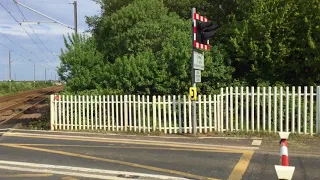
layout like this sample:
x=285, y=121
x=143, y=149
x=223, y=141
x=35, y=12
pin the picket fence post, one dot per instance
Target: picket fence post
x=318, y=112
x=52, y=112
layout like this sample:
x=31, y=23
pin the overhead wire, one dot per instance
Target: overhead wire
x=34, y=31
x=24, y=31
x=21, y=56
x=16, y=53
x=31, y=61
x=22, y=28
x=15, y=43
x=46, y=1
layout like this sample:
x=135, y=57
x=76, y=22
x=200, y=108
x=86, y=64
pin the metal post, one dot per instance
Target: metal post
x=10, y=65
x=34, y=75
x=45, y=75
x=75, y=22
x=193, y=104
x=75, y=16
x=10, y=86
x=318, y=111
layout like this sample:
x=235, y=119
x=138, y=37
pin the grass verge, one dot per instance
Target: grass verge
x=43, y=123
x=7, y=88
x=264, y=135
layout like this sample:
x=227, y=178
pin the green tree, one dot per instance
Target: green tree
x=140, y=48
x=81, y=64
x=148, y=50
x=272, y=41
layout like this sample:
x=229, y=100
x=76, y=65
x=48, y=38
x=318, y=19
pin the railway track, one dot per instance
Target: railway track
x=12, y=107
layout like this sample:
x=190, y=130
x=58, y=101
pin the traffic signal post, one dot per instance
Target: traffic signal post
x=202, y=31
x=194, y=85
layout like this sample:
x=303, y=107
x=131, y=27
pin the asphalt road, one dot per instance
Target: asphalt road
x=72, y=156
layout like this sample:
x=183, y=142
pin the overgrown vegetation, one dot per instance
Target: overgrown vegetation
x=144, y=46
x=42, y=123
x=14, y=87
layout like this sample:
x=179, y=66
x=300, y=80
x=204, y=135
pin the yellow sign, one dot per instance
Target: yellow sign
x=193, y=93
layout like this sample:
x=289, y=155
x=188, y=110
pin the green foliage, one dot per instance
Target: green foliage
x=274, y=42
x=81, y=64
x=183, y=7
x=146, y=50
x=41, y=123
x=144, y=46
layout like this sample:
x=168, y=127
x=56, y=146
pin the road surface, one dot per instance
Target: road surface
x=73, y=156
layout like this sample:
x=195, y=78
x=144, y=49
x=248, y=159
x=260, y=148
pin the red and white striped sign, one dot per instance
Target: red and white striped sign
x=195, y=43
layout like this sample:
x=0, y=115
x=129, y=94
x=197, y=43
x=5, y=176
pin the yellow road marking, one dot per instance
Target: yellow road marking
x=25, y=175
x=241, y=167
x=238, y=170
x=153, y=143
x=122, y=147
x=112, y=161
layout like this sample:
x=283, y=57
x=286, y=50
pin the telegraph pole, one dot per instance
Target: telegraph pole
x=75, y=16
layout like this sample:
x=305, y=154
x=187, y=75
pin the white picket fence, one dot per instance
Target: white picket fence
x=268, y=109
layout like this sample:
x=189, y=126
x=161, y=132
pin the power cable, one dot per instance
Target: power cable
x=15, y=43
x=47, y=1
x=23, y=56
x=23, y=29
x=17, y=53
x=34, y=31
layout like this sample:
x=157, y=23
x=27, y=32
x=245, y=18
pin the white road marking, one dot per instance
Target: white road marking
x=256, y=142
x=130, y=140
x=256, y=138
x=79, y=171
x=5, y=129
x=61, y=173
x=222, y=138
x=128, y=135
x=3, y=133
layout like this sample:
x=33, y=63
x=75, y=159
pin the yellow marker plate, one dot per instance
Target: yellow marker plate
x=193, y=93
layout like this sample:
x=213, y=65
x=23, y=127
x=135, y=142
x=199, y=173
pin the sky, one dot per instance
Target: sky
x=42, y=52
